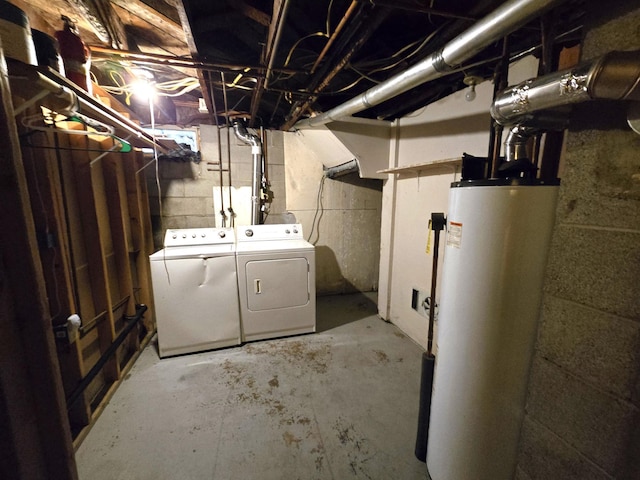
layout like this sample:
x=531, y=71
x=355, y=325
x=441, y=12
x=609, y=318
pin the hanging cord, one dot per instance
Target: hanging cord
x=223, y=215
x=232, y=214
x=319, y=209
x=157, y=173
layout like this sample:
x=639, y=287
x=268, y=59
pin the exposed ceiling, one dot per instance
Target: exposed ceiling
x=277, y=61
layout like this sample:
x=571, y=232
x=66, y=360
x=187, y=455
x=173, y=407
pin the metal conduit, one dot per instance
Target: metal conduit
x=505, y=19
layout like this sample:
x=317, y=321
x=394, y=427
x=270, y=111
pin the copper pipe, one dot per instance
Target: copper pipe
x=335, y=34
x=276, y=43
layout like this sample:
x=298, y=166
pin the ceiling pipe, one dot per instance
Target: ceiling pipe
x=510, y=16
x=276, y=41
x=365, y=24
x=533, y=105
x=256, y=152
x=343, y=22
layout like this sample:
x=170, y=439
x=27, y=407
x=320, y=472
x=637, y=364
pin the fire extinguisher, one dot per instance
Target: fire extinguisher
x=75, y=54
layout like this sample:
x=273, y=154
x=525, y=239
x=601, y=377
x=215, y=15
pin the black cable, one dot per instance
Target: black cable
x=319, y=207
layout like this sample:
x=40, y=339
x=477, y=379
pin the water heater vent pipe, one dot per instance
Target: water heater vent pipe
x=533, y=105
x=256, y=152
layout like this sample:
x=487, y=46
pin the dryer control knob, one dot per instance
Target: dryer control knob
x=193, y=235
x=174, y=236
x=295, y=230
x=287, y=231
x=184, y=235
x=221, y=234
x=248, y=233
x=203, y=235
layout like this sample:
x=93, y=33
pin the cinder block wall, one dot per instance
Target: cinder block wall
x=583, y=417
x=187, y=187
x=340, y=217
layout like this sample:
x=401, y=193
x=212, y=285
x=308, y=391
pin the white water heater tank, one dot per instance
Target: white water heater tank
x=498, y=235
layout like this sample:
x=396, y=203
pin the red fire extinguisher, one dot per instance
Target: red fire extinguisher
x=75, y=54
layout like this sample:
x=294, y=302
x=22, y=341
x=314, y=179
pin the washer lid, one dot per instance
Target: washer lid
x=193, y=251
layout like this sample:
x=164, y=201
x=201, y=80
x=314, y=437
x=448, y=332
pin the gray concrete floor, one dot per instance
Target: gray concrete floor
x=338, y=404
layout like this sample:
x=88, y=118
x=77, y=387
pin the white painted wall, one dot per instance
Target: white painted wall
x=443, y=130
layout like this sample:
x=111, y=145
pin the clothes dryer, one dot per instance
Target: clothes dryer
x=195, y=291
x=276, y=281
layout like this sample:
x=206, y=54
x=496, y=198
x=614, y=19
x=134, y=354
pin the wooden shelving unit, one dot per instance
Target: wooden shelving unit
x=453, y=164
x=90, y=212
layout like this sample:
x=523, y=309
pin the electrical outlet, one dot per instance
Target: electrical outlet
x=420, y=302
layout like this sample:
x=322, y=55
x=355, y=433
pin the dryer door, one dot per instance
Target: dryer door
x=277, y=283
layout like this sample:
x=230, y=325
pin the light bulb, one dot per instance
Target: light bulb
x=470, y=96
x=143, y=89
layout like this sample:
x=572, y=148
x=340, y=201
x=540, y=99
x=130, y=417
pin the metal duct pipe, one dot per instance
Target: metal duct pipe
x=505, y=19
x=343, y=169
x=528, y=105
x=515, y=144
x=614, y=76
x=256, y=152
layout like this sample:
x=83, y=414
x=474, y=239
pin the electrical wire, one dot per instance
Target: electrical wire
x=319, y=208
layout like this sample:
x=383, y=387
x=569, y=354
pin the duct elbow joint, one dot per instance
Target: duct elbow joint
x=244, y=136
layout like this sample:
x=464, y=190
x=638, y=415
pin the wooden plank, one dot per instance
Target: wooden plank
x=50, y=221
x=116, y=196
x=151, y=17
x=141, y=231
x=77, y=250
x=35, y=439
x=90, y=191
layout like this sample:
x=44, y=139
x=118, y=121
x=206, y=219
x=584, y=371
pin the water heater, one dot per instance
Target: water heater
x=498, y=235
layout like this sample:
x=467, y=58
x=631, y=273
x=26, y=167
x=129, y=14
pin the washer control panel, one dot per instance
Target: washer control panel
x=198, y=236
x=260, y=233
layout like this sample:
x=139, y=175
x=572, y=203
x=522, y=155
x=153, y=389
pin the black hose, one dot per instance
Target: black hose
x=84, y=383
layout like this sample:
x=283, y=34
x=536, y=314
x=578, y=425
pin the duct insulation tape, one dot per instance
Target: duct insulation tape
x=15, y=34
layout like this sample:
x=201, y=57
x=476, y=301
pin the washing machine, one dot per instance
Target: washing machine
x=276, y=281
x=196, y=291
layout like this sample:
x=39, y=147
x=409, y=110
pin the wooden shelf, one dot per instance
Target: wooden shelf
x=426, y=166
x=31, y=83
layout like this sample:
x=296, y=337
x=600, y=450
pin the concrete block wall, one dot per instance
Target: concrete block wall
x=187, y=188
x=344, y=226
x=583, y=407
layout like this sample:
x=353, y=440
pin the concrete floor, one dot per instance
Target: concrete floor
x=341, y=403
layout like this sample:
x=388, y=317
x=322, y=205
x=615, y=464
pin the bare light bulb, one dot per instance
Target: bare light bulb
x=470, y=96
x=143, y=89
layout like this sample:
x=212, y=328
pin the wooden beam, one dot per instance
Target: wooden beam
x=103, y=19
x=193, y=49
x=253, y=13
x=152, y=17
